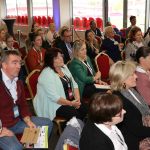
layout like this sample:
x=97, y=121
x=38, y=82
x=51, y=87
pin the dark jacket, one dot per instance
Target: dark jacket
x=61, y=44
x=111, y=49
x=92, y=138
x=132, y=127
x=80, y=73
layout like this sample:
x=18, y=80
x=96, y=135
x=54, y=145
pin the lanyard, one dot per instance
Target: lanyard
x=8, y=92
x=40, y=58
x=69, y=90
x=88, y=66
x=66, y=79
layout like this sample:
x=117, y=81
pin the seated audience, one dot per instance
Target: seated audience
x=92, y=46
x=100, y=132
x=34, y=27
x=110, y=45
x=133, y=24
x=14, y=111
x=35, y=56
x=123, y=83
x=45, y=43
x=10, y=46
x=51, y=34
x=147, y=37
x=65, y=43
x=57, y=92
x=94, y=28
x=143, y=72
x=2, y=38
x=135, y=40
x=108, y=23
x=9, y=42
x=83, y=71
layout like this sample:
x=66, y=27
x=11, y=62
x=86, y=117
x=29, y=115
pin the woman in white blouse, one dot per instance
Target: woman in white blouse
x=100, y=131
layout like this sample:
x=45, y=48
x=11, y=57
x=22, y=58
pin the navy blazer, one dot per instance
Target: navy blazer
x=61, y=44
x=92, y=138
x=111, y=49
x=132, y=127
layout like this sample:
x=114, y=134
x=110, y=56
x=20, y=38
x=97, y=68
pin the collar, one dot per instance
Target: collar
x=140, y=69
x=106, y=130
x=5, y=78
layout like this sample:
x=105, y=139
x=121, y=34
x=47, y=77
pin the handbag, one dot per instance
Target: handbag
x=145, y=143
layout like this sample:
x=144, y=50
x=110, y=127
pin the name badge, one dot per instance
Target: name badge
x=16, y=111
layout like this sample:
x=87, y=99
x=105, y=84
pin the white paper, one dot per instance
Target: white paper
x=99, y=86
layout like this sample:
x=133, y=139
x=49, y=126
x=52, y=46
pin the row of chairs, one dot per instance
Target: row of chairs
x=84, y=23
x=42, y=20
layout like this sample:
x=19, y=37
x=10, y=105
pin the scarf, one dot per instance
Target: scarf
x=142, y=106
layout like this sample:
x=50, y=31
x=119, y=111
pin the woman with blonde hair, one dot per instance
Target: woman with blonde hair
x=83, y=71
x=123, y=82
x=110, y=45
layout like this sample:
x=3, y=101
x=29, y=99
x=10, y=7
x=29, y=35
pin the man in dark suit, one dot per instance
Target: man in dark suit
x=65, y=43
x=95, y=29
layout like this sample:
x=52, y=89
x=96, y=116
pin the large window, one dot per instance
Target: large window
x=86, y=10
x=42, y=8
x=115, y=13
x=22, y=7
x=11, y=8
x=137, y=8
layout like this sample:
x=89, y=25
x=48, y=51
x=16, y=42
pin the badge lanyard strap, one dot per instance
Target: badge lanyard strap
x=39, y=60
x=66, y=80
x=89, y=67
x=8, y=92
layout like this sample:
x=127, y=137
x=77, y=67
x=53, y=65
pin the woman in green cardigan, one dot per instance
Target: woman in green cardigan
x=83, y=71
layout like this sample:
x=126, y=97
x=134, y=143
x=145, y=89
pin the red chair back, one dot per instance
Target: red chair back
x=103, y=65
x=77, y=23
x=69, y=147
x=99, y=23
x=32, y=80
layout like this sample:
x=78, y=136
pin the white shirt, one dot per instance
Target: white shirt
x=11, y=85
x=115, y=136
x=68, y=45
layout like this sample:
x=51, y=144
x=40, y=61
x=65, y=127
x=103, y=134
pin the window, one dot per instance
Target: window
x=11, y=8
x=22, y=7
x=115, y=13
x=137, y=8
x=86, y=10
x=39, y=8
x=50, y=8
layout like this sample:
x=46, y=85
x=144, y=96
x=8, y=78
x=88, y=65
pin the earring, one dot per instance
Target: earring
x=124, y=85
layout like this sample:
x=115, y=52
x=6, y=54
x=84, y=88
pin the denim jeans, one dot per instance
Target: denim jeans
x=12, y=143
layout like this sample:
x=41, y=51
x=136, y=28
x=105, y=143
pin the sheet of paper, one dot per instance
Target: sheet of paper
x=98, y=86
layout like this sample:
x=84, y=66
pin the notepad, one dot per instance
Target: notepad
x=99, y=86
